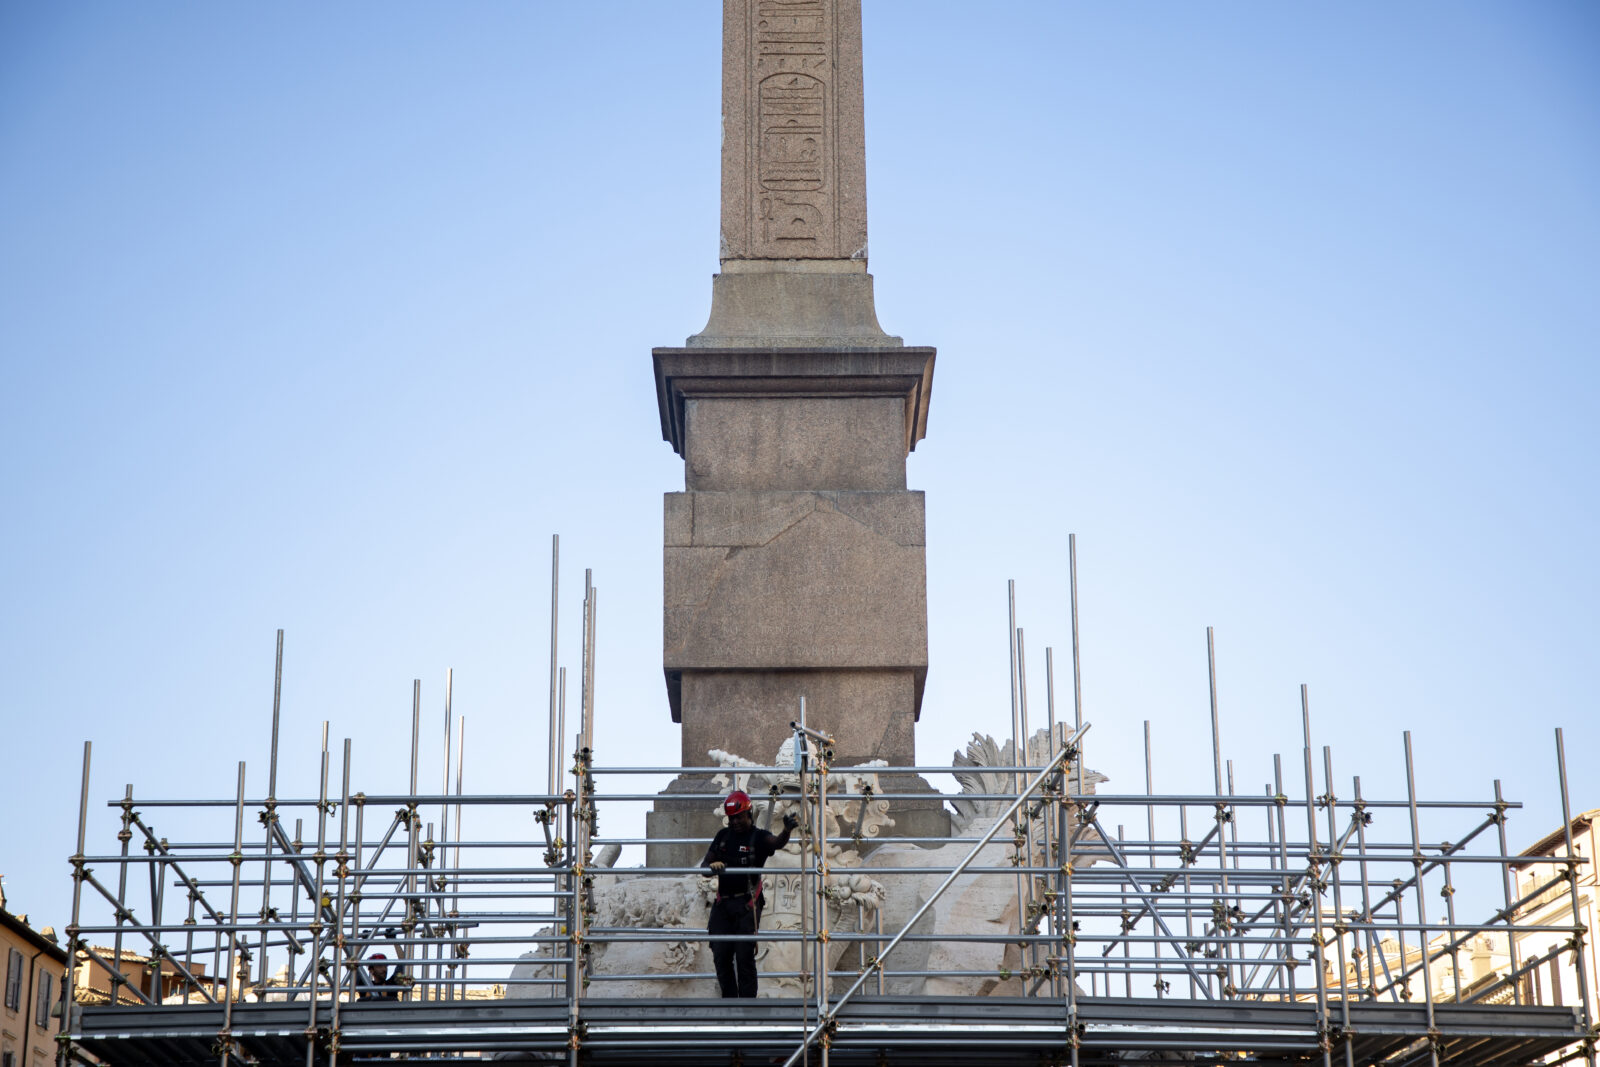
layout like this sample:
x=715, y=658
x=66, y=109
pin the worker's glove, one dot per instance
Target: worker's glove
x=790, y=821
x=716, y=866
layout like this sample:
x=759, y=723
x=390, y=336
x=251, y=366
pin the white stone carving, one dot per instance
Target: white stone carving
x=859, y=889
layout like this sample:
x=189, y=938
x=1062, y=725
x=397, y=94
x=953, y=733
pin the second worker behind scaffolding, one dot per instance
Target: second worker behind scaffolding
x=736, y=912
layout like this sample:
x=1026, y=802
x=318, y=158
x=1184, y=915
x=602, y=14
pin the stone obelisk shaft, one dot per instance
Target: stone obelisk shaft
x=793, y=154
x=794, y=188
x=795, y=558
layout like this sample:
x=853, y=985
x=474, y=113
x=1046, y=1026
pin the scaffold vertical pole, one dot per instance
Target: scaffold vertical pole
x=1027, y=950
x=269, y=813
x=571, y=900
x=64, y=1035
x=1222, y=813
x=1422, y=904
x=1334, y=858
x=318, y=912
x=341, y=872
x=1361, y=816
x=823, y=760
x=458, y=943
x=1505, y=885
x=1052, y=844
x=1280, y=802
x=1017, y=743
x=1068, y=932
x=1077, y=674
x=1578, y=956
x=809, y=828
x=561, y=734
x=124, y=836
x=413, y=846
x=444, y=990
x=236, y=859
x=1315, y=885
x=554, y=778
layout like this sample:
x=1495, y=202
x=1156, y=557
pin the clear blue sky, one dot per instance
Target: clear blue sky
x=327, y=316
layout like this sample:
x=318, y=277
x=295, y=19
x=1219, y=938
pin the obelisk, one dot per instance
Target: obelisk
x=795, y=556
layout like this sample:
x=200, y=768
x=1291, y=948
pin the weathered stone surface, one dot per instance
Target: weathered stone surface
x=794, y=176
x=776, y=581
x=869, y=714
x=801, y=443
x=770, y=373
x=792, y=308
x=755, y=518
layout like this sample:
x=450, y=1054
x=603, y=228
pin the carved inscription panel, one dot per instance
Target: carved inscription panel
x=791, y=65
x=798, y=107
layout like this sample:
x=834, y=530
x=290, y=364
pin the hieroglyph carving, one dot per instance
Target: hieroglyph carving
x=793, y=120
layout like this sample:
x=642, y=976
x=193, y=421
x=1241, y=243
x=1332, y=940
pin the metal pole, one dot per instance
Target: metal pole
x=1077, y=676
x=1361, y=816
x=573, y=876
x=1017, y=743
x=594, y=629
x=807, y=965
x=555, y=617
x=459, y=946
x=1068, y=930
x=124, y=835
x=64, y=1035
x=1150, y=830
x=1216, y=729
x=583, y=680
x=1572, y=884
x=443, y=852
x=341, y=872
x=821, y=843
x=1282, y=800
x=355, y=898
x=1422, y=906
x=413, y=825
x=1223, y=815
x=317, y=910
x=270, y=812
x=1505, y=884
x=1025, y=914
x=1334, y=856
x=444, y=792
x=561, y=733
x=1313, y=853
x=225, y=1041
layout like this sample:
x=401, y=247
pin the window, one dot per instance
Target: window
x=14, y=981
x=8, y=1059
x=41, y=1008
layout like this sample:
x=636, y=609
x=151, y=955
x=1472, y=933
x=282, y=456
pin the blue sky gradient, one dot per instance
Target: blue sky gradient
x=325, y=318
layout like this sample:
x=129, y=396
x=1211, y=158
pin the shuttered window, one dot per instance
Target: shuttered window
x=41, y=1008
x=14, y=981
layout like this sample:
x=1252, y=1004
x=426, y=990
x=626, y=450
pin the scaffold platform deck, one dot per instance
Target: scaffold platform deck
x=871, y=1030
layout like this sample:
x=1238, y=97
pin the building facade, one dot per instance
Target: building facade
x=35, y=973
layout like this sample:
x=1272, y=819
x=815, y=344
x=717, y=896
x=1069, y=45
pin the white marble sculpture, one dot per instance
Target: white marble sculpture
x=866, y=882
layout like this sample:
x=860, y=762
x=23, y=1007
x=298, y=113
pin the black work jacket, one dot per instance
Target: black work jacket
x=741, y=850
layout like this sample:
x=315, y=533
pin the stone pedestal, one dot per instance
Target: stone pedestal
x=795, y=560
x=794, y=557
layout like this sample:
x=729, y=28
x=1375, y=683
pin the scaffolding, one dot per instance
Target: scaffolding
x=1296, y=924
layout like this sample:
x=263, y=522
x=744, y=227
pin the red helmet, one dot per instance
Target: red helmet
x=378, y=956
x=738, y=801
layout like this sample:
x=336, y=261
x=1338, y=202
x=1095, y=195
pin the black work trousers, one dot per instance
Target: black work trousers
x=735, y=960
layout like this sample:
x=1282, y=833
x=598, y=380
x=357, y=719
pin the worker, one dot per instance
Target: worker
x=737, y=909
x=382, y=985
